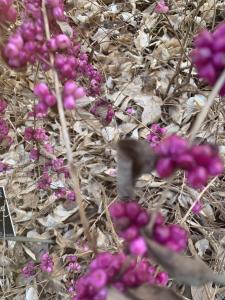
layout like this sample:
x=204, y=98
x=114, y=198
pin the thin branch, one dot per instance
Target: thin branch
x=202, y=115
x=73, y=171
x=198, y=198
x=25, y=239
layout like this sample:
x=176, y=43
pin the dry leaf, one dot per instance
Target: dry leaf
x=134, y=159
x=152, y=110
x=200, y=293
x=31, y=294
x=65, y=27
x=186, y=270
x=142, y=40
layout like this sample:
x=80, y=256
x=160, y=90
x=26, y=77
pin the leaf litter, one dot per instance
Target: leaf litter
x=139, y=53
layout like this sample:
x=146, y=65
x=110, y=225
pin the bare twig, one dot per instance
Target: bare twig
x=26, y=239
x=198, y=198
x=73, y=171
x=201, y=117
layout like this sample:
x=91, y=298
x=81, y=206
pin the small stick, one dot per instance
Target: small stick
x=73, y=171
x=198, y=198
x=26, y=239
x=202, y=115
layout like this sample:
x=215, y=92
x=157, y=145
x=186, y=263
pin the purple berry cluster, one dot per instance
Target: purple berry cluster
x=66, y=194
x=209, y=55
x=47, y=263
x=29, y=45
x=156, y=134
x=3, y=167
x=103, y=111
x=199, y=161
x=46, y=99
x=171, y=236
x=71, y=93
x=130, y=218
x=5, y=139
x=118, y=270
x=51, y=167
x=7, y=11
x=38, y=134
x=55, y=166
x=72, y=264
x=161, y=7
x=28, y=270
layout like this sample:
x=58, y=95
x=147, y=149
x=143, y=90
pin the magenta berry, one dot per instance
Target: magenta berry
x=165, y=167
x=208, y=55
x=79, y=93
x=162, y=278
x=69, y=102
x=46, y=263
x=132, y=210
x=142, y=218
x=117, y=209
x=50, y=100
x=69, y=88
x=29, y=270
x=162, y=233
x=62, y=41
x=11, y=50
x=130, y=233
x=138, y=246
x=41, y=90
x=161, y=7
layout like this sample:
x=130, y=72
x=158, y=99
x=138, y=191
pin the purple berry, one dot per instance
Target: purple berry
x=138, y=247
x=69, y=102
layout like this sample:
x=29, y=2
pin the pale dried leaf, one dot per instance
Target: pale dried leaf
x=66, y=28
x=142, y=40
x=31, y=294
x=201, y=292
x=202, y=246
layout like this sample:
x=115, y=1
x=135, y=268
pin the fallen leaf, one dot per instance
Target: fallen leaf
x=200, y=293
x=65, y=27
x=202, y=245
x=31, y=294
x=142, y=40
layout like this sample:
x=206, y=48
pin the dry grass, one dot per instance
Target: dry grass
x=145, y=60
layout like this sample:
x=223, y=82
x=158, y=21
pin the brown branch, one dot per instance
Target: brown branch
x=72, y=169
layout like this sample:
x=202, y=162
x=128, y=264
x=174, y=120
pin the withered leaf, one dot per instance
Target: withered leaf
x=134, y=159
x=145, y=292
x=186, y=270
